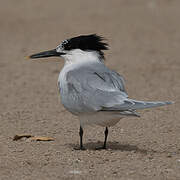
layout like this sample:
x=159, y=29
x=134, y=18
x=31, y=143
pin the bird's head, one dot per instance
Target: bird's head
x=76, y=47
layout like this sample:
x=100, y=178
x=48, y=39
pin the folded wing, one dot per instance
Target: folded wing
x=100, y=89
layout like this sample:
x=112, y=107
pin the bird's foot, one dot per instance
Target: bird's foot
x=101, y=148
x=80, y=148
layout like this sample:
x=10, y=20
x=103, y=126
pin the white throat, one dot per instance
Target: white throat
x=78, y=56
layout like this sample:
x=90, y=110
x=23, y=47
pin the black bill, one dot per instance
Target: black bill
x=44, y=54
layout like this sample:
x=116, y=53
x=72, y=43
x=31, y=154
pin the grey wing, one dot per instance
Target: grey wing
x=91, y=90
x=95, y=89
x=116, y=79
x=110, y=77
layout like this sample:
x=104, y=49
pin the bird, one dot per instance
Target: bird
x=89, y=89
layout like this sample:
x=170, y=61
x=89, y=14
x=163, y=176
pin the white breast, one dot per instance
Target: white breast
x=62, y=83
x=62, y=79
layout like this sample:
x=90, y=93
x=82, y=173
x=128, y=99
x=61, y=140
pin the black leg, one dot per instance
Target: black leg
x=81, y=138
x=105, y=140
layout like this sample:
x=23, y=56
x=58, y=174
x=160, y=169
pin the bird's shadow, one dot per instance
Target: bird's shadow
x=110, y=146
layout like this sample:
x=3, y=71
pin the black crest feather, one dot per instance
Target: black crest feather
x=86, y=42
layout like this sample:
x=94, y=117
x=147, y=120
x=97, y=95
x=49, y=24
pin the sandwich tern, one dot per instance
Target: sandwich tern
x=88, y=88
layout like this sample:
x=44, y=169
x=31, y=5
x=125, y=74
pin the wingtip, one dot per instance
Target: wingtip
x=136, y=114
x=169, y=102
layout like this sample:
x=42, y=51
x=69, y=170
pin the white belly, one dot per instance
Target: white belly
x=101, y=118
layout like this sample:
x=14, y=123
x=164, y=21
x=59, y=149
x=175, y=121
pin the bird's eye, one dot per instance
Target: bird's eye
x=67, y=46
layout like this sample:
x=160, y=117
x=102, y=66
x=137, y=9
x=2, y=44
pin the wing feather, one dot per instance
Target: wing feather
x=100, y=89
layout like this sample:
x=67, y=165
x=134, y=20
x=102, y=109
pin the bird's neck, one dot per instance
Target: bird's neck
x=80, y=57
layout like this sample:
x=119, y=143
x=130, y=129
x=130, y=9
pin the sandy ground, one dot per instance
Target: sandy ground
x=144, y=38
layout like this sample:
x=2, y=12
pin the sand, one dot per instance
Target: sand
x=144, y=38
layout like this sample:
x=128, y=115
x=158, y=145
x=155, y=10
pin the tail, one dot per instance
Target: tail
x=129, y=106
x=134, y=104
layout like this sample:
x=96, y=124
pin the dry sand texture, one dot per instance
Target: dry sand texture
x=144, y=38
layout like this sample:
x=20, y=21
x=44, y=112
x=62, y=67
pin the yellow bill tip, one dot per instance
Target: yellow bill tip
x=27, y=57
